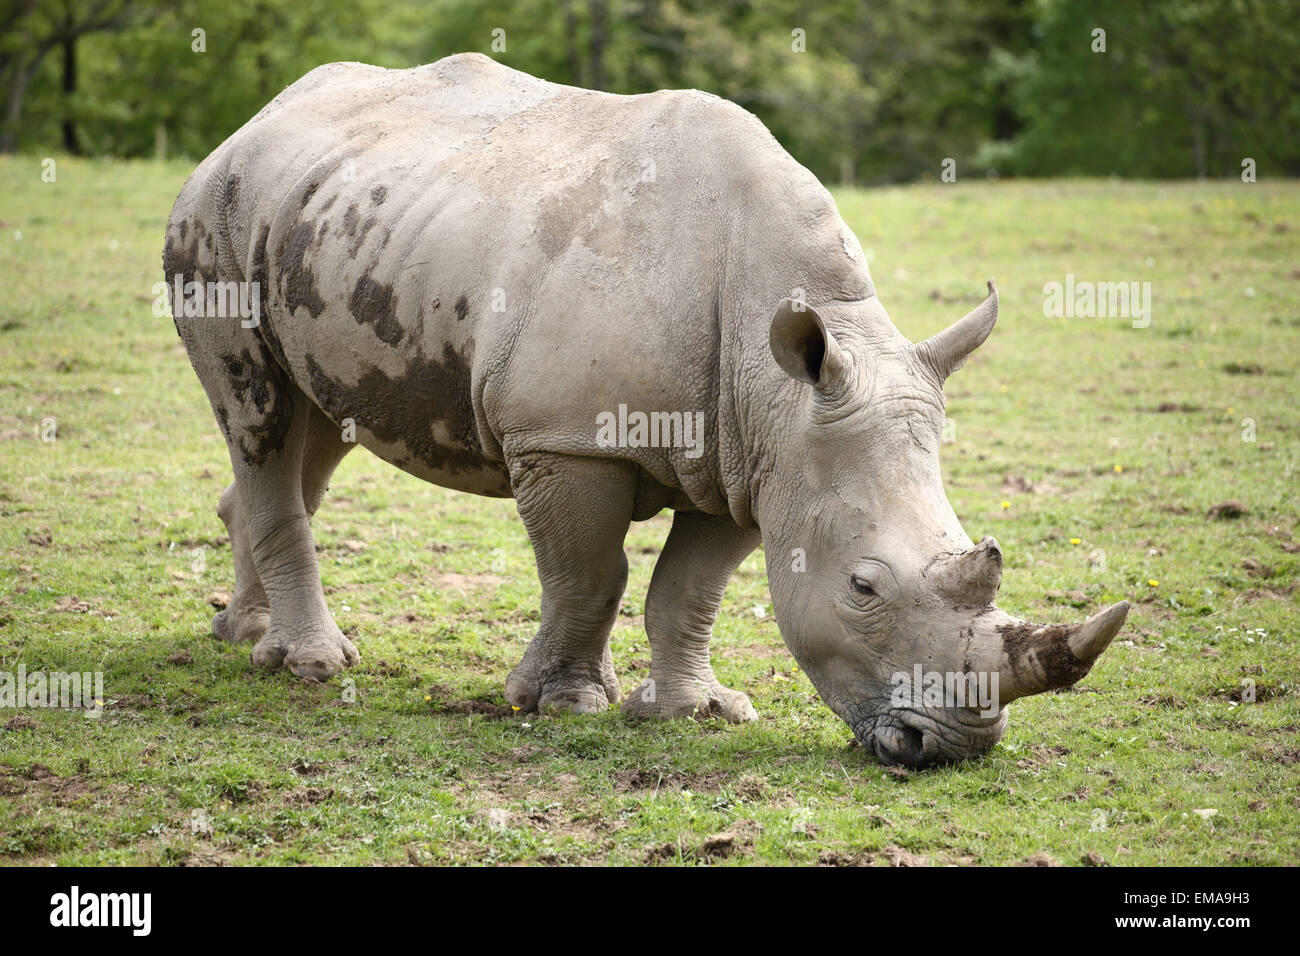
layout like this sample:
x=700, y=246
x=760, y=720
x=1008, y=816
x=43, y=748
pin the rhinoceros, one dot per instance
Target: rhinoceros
x=602, y=306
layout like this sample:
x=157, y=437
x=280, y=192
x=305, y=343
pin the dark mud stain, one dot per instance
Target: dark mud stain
x=360, y=238
x=231, y=191
x=266, y=404
x=257, y=274
x=374, y=304
x=325, y=206
x=350, y=220
x=185, y=228
x=378, y=194
x=297, y=282
x=308, y=193
x=403, y=410
x=1049, y=646
x=462, y=308
x=180, y=258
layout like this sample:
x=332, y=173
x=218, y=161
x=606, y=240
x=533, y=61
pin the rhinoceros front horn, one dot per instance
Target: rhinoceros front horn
x=1038, y=658
x=946, y=351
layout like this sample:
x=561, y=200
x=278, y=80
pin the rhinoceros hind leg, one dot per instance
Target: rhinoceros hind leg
x=576, y=511
x=266, y=419
x=699, y=557
x=248, y=615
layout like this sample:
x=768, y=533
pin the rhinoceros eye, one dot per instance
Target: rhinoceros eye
x=863, y=587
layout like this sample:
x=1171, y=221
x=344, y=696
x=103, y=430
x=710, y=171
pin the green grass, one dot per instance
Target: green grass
x=201, y=758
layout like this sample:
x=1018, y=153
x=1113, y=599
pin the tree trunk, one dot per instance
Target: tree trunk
x=571, y=55
x=22, y=74
x=70, y=141
x=598, y=27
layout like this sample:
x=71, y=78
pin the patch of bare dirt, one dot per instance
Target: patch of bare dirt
x=306, y=796
x=442, y=701
x=1040, y=858
x=898, y=856
x=1226, y=510
x=736, y=840
x=1021, y=484
x=628, y=781
x=40, y=780
x=750, y=650
x=454, y=581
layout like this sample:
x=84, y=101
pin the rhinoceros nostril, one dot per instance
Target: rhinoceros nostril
x=901, y=745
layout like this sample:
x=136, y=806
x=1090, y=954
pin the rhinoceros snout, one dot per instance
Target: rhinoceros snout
x=900, y=745
x=923, y=738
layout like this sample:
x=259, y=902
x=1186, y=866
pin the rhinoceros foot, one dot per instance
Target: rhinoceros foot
x=319, y=653
x=241, y=624
x=699, y=699
x=539, y=686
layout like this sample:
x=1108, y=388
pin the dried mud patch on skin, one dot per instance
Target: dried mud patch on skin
x=400, y=411
x=1049, y=646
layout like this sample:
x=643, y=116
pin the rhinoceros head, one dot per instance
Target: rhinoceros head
x=884, y=601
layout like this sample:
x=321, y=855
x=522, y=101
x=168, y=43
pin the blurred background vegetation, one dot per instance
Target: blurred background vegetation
x=884, y=90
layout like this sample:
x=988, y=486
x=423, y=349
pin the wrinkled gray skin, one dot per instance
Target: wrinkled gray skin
x=471, y=264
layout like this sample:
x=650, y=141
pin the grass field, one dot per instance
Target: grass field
x=1094, y=451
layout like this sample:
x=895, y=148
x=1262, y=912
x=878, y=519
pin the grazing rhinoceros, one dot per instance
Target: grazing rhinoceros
x=602, y=306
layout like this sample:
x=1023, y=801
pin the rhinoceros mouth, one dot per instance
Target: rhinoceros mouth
x=919, y=738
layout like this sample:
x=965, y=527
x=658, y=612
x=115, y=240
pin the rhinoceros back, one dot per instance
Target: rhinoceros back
x=466, y=262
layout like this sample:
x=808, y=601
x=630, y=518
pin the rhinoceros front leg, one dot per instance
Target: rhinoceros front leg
x=248, y=615
x=699, y=557
x=576, y=511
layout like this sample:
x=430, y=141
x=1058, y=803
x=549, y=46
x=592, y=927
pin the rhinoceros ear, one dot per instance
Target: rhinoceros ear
x=803, y=346
x=946, y=351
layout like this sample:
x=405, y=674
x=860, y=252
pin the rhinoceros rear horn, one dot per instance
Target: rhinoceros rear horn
x=946, y=351
x=801, y=344
x=1041, y=658
x=972, y=578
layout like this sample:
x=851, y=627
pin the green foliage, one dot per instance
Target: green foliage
x=883, y=91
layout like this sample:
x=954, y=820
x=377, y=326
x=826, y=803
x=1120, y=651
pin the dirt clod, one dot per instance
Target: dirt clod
x=1226, y=509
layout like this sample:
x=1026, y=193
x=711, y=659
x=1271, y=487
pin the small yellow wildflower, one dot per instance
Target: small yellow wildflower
x=427, y=698
x=1076, y=541
x=1119, y=468
x=1006, y=505
x=1153, y=582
